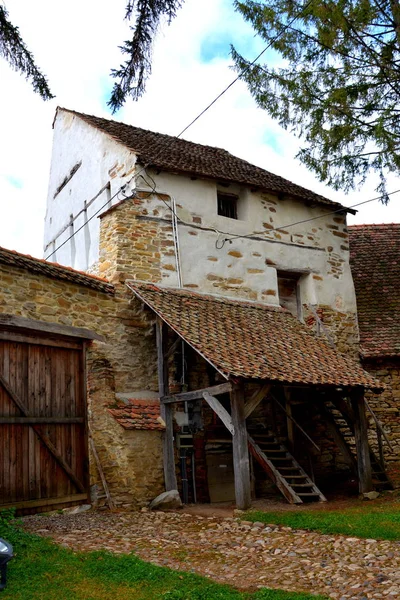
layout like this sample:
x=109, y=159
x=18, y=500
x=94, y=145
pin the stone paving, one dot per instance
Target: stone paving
x=243, y=554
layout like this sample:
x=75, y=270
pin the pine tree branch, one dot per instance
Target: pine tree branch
x=13, y=49
x=134, y=72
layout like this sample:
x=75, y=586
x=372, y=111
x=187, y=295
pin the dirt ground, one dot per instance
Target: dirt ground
x=340, y=499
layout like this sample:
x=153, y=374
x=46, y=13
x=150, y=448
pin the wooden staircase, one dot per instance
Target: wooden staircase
x=345, y=431
x=288, y=476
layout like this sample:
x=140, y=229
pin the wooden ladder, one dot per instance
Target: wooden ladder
x=288, y=476
x=345, y=429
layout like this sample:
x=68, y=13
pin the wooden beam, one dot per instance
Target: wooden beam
x=173, y=347
x=255, y=399
x=41, y=420
x=220, y=411
x=44, y=502
x=42, y=340
x=299, y=427
x=52, y=328
x=166, y=409
x=289, y=419
x=101, y=473
x=241, y=463
x=44, y=438
x=214, y=390
x=379, y=427
x=361, y=437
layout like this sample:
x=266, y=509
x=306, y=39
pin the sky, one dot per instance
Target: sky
x=75, y=43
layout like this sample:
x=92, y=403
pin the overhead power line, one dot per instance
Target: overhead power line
x=234, y=236
x=231, y=236
x=247, y=67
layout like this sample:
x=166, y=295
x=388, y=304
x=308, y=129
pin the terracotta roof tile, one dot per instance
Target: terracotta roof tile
x=178, y=155
x=54, y=270
x=138, y=414
x=253, y=341
x=375, y=263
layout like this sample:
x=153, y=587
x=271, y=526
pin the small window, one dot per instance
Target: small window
x=289, y=292
x=227, y=205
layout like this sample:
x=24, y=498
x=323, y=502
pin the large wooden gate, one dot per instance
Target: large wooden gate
x=43, y=429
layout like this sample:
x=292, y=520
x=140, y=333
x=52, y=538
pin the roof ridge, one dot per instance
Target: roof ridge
x=168, y=135
x=54, y=264
x=367, y=225
x=8, y=256
x=178, y=155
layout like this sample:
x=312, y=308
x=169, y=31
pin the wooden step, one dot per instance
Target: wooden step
x=301, y=485
x=289, y=469
x=268, y=459
x=346, y=430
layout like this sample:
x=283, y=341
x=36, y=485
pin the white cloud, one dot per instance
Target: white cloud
x=76, y=45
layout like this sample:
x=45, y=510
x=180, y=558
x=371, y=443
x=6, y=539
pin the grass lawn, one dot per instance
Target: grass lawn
x=42, y=570
x=380, y=523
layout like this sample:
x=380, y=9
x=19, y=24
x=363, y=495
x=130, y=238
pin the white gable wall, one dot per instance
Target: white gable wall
x=102, y=161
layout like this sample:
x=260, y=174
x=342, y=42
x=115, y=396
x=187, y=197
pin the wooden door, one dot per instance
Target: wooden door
x=43, y=441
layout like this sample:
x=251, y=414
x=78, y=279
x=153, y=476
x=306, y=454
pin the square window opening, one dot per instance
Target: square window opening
x=290, y=293
x=227, y=205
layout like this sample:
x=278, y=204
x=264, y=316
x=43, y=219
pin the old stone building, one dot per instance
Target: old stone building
x=375, y=262
x=229, y=295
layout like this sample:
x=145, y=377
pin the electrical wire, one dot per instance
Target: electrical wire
x=121, y=190
x=219, y=244
x=247, y=67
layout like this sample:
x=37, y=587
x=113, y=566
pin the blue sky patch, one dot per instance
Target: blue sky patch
x=14, y=181
x=232, y=29
x=106, y=86
x=271, y=139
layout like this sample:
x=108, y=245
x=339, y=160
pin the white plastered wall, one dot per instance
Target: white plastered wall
x=253, y=263
x=103, y=161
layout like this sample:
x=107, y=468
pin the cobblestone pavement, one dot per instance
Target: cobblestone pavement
x=243, y=554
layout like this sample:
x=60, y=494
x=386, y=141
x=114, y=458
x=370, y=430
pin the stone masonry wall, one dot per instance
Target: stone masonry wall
x=341, y=326
x=126, y=362
x=386, y=406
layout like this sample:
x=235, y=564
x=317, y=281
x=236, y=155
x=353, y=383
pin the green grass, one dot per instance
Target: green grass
x=42, y=570
x=373, y=523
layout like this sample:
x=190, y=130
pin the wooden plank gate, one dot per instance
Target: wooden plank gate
x=43, y=426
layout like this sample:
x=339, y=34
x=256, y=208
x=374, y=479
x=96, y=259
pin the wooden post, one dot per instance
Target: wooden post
x=361, y=437
x=241, y=465
x=289, y=419
x=166, y=409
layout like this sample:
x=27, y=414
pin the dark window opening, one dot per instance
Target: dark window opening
x=227, y=205
x=289, y=292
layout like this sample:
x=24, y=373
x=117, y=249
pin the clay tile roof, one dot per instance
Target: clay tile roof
x=54, y=270
x=375, y=262
x=253, y=341
x=139, y=414
x=174, y=154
